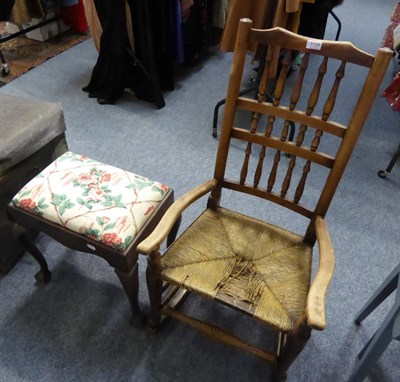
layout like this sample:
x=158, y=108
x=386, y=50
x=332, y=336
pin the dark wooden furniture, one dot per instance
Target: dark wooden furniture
x=254, y=267
x=388, y=331
x=92, y=207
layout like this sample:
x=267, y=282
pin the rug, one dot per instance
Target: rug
x=23, y=54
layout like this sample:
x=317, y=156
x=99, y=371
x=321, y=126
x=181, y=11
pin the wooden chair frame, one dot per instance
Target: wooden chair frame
x=165, y=299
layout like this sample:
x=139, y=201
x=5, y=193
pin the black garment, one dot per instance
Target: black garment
x=5, y=9
x=196, y=31
x=146, y=71
x=109, y=74
x=314, y=17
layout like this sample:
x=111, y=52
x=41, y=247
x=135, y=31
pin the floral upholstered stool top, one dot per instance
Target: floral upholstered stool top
x=92, y=207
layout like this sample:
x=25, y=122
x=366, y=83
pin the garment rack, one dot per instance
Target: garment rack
x=5, y=69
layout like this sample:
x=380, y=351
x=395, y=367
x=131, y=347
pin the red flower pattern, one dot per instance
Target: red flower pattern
x=106, y=177
x=27, y=204
x=111, y=239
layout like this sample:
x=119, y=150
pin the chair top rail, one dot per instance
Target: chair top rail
x=341, y=50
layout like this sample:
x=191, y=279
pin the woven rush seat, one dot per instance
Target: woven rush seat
x=217, y=243
x=99, y=201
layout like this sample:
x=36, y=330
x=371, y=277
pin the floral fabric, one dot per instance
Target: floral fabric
x=99, y=201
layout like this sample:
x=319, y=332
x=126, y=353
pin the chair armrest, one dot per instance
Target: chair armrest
x=315, y=306
x=154, y=240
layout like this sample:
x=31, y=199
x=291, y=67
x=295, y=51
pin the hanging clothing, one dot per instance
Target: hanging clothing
x=219, y=13
x=24, y=10
x=264, y=14
x=95, y=27
x=253, y=9
x=5, y=9
x=315, y=16
x=149, y=69
x=93, y=21
x=196, y=31
x=109, y=74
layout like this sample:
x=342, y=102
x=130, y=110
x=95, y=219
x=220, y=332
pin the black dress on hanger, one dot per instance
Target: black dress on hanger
x=149, y=69
x=314, y=17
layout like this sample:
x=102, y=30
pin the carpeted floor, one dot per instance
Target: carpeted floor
x=23, y=54
x=77, y=327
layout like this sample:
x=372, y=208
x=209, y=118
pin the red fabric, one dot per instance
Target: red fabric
x=394, y=21
x=392, y=93
x=74, y=16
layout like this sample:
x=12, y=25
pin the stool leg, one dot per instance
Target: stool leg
x=44, y=275
x=130, y=283
x=384, y=290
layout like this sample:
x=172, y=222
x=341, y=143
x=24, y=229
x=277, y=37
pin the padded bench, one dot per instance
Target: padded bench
x=32, y=135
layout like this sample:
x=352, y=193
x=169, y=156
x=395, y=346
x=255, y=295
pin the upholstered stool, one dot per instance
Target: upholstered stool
x=93, y=207
x=31, y=137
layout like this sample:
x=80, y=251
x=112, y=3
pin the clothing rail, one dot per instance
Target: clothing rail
x=5, y=69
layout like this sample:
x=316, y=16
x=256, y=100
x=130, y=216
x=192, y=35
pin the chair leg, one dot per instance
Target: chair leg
x=396, y=327
x=384, y=173
x=174, y=231
x=384, y=290
x=371, y=353
x=130, y=283
x=293, y=346
x=154, y=286
x=21, y=234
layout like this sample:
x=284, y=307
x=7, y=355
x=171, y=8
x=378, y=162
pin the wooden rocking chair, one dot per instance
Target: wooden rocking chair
x=254, y=267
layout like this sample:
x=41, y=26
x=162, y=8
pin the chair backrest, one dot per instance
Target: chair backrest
x=278, y=184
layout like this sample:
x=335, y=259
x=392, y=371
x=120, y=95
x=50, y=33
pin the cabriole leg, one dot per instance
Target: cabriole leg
x=130, y=283
x=44, y=275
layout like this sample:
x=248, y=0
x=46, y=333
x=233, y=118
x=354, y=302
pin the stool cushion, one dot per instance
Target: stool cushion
x=105, y=203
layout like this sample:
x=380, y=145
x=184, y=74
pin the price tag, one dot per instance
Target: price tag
x=314, y=44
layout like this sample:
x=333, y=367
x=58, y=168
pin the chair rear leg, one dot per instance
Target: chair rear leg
x=130, y=283
x=293, y=346
x=21, y=234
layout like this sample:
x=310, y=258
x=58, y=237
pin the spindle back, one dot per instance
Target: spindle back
x=314, y=91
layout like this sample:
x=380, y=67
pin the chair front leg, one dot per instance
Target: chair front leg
x=154, y=286
x=130, y=283
x=294, y=344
